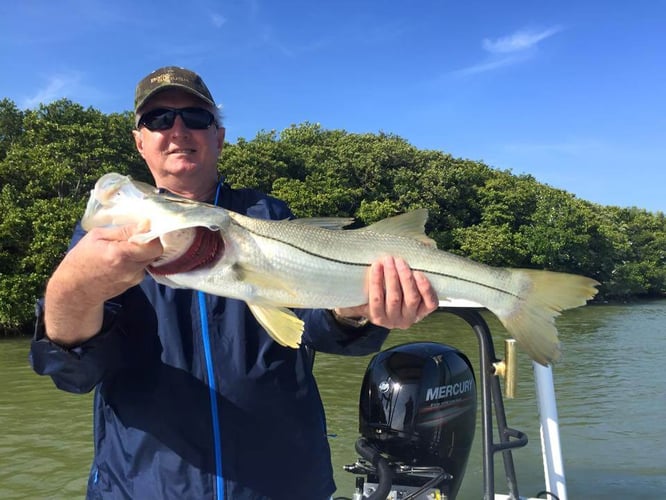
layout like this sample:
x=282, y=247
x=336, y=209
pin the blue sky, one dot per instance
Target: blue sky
x=571, y=92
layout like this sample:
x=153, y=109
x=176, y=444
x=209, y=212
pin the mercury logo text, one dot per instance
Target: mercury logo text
x=446, y=391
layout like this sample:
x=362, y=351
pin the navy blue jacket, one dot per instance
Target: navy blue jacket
x=155, y=421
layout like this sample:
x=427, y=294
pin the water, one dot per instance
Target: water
x=611, y=401
x=45, y=434
x=611, y=393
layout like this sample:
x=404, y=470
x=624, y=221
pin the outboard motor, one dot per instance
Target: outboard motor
x=417, y=416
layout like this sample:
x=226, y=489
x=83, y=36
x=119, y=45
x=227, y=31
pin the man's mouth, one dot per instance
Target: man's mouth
x=181, y=151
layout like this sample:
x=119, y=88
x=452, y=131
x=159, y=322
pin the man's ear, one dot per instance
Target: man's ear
x=138, y=141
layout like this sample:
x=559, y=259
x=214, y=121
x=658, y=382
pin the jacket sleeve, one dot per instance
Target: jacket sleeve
x=325, y=334
x=78, y=369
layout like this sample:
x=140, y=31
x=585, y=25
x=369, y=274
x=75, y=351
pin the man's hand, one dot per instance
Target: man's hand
x=397, y=296
x=102, y=265
x=104, y=257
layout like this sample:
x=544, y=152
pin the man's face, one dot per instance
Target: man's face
x=179, y=152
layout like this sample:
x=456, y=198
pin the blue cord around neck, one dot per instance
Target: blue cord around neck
x=212, y=386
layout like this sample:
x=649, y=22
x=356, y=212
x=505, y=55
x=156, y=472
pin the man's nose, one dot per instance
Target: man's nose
x=179, y=126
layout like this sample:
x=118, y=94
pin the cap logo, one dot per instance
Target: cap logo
x=171, y=78
x=164, y=78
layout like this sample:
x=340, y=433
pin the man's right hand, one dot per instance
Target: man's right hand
x=102, y=265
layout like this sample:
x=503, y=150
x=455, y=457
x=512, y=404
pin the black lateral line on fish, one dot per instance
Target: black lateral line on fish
x=359, y=264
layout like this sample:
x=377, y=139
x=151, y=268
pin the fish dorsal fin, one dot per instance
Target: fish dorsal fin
x=409, y=225
x=281, y=324
x=325, y=222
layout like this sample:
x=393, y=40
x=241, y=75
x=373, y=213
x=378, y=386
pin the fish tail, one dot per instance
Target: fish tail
x=545, y=295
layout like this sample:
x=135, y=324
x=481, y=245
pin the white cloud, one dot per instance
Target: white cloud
x=57, y=87
x=65, y=85
x=505, y=51
x=518, y=41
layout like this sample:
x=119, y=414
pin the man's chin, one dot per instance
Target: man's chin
x=182, y=164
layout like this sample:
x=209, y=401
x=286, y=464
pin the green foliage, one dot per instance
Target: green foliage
x=50, y=158
x=11, y=125
x=557, y=236
x=375, y=210
x=493, y=245
x=634, y=262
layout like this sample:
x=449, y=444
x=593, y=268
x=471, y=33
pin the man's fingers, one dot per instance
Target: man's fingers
x=411, y=294
x=428, y=297
x=397, y=296
x=376, y=294
x=116, y=238
x=393, y=277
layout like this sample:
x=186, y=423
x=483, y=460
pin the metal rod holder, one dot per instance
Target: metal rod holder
x=508, y=368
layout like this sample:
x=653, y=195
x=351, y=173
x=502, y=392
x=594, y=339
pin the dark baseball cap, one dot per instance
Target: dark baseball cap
x=171, y=77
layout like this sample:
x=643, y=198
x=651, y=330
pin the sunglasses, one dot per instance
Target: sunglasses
x=163, y=118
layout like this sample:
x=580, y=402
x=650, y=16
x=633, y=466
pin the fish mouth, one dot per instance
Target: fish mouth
x=206, y=248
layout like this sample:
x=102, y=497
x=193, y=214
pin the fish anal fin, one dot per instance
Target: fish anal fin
x=409, y=225
x=281, y=324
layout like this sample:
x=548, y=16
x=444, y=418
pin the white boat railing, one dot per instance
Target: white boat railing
x=553, y=463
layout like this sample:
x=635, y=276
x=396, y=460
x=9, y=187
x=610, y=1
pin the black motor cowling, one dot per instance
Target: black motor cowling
x=418, y=407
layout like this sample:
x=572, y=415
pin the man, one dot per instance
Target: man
x=192, y=398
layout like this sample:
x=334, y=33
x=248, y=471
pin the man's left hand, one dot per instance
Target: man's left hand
x=397, y=296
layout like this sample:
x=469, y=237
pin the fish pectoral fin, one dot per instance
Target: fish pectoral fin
x=281, y=324
x=325, y=222
x=409, y=225
x=260, y=279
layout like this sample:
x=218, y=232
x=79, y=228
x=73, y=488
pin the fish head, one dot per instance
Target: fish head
x=178, y=222
x=115, y=200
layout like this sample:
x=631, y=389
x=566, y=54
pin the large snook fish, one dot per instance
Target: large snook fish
x=304, y=263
